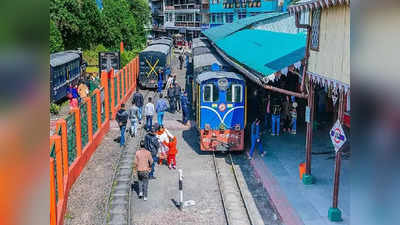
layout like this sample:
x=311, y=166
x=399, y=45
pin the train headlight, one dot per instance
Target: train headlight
x=237, y=127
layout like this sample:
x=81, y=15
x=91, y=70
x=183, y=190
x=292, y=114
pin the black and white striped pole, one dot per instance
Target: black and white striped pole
x=180, y=189
x=181, y=203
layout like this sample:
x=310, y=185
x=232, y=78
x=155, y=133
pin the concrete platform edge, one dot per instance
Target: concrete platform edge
x=287, y=213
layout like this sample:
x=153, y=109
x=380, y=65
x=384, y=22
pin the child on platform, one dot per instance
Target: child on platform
x=172, y=151
x=163, y=138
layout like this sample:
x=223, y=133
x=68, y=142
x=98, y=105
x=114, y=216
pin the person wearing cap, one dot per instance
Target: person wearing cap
x=143, y=160
x=122, y=119
x=255, y=138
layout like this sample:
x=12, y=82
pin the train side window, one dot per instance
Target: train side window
x=207, y=92
x=237, y=93
x=234, y=93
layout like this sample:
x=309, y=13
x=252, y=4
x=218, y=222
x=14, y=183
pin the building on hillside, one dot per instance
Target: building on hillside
x=228, y=11
x=182, y=16
x=157, y=15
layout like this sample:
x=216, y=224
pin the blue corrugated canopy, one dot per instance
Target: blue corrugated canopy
x=219, y=32
x=265, y=52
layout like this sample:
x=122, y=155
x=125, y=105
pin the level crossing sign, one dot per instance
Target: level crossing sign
x=338, y=137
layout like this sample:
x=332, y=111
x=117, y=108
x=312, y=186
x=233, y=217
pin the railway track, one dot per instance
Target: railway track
x=233, y=201
x=238, y=203
x=118, y=205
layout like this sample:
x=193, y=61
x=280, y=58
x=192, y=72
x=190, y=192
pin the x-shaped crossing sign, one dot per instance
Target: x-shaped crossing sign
x=152, y=68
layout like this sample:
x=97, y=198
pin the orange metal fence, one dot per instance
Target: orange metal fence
x=68, y=154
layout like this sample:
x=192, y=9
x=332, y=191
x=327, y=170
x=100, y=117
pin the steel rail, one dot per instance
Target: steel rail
x=238, y=186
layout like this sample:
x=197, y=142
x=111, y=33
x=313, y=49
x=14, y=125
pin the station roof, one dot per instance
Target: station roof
x=222, y=31
x=263, y=51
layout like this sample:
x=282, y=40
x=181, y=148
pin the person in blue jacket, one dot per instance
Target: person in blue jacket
x=255, y=138
x=160, y=80
x=185, y=107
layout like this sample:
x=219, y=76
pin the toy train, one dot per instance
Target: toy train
x=157, y=55
x=218, y=100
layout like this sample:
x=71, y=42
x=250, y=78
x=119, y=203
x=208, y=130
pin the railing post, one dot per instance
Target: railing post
x=105, y=81
x=88, y=101
x=118, y=89
x=98, y=106
x=78, y=131
x=126, y=80
x=122, y=77
x=53, y=204
x=64, y=144
x=112, y=93
x=60, y=177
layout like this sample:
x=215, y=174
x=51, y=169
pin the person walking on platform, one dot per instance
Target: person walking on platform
x=152, y=144
x=144, y=160
x=139, y=102
x=276, y=116
x=285, y=115
x=178, y=93
x=185, y=107
x=122, y=119
x=255, y=138
x=170, y=80
x=181, y=59
x=293, y=114
x=162, y=137
x=133, y=117
x=172, y=150
x=161, y=107
x=149, y=112
x=171, y=98
x=160, y=80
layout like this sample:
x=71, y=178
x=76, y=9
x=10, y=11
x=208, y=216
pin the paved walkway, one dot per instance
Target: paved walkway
x=280, y=173
x=200, y=183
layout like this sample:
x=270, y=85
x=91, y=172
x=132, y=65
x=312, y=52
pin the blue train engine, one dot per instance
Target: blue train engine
x=220, y=110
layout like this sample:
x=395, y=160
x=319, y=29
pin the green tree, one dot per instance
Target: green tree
x=55, y=41
x=79, y=22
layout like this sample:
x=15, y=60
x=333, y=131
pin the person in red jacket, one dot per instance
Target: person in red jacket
x=172, y=151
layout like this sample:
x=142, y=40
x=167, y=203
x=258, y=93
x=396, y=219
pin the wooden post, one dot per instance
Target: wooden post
x=98, y=107
x=334, y=214
x=64, y=144
x=88, y=101
x=53, y=204
x=78, y=131
x=308, y=178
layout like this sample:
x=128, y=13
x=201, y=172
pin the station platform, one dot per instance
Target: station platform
x=279, y=171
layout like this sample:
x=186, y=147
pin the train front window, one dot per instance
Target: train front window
x=210, y=93
x=234, y=93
